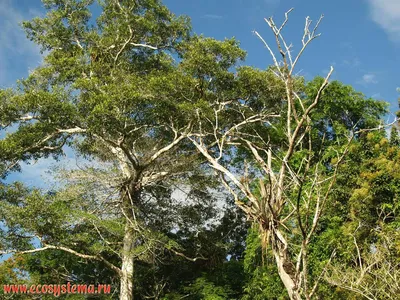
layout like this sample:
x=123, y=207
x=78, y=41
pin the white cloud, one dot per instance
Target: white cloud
x=354, y=62
x=376, y=96
x=36, y=173
x=13, y=42
x=41, y=173
x=386, y=13
x=369, y=79
x=44, y=173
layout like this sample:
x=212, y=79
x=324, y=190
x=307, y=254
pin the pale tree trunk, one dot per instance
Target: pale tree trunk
x=284, y=263
x=126, y=287
x=286, y=274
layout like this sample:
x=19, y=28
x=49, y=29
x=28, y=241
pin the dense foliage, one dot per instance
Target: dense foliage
x=135, y=94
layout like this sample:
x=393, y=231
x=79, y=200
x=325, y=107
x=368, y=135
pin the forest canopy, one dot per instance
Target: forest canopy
x=199, y=177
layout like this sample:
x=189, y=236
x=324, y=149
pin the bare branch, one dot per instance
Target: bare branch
x=270, y=51
x=186, y=257
x=161, y=151
x=68, y=250
x=144, y=46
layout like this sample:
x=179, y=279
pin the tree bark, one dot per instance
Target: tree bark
x=286, y=269
x=286, y=277
x=126, y=287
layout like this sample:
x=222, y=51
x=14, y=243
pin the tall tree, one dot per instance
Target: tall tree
x=134, y=90
x=288, y=144
x=107, y=87
x=111, y=89
x=367, y=241
x=394, y=136
x=178, y=239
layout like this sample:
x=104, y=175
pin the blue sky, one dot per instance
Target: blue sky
x=360, y=38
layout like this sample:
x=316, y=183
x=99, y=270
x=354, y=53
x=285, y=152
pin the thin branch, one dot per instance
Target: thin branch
x=144, y=46
x=186, y=257
x=68, y=250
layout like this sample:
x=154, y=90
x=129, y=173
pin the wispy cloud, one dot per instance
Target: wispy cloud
x=353, y=62
x=36, y=173
x=386, y=13
x=350, y=56
x=376, y=96
x=211, y=16
x=16, y=51
x=368, y=78
x=346, y=45
x=43, y=173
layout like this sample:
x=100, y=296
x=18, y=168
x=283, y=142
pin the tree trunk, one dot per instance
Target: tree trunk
x=286, y=268
x=126, y=287
x=286, y=277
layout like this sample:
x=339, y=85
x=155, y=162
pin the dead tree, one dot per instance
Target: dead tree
x=266, y=196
